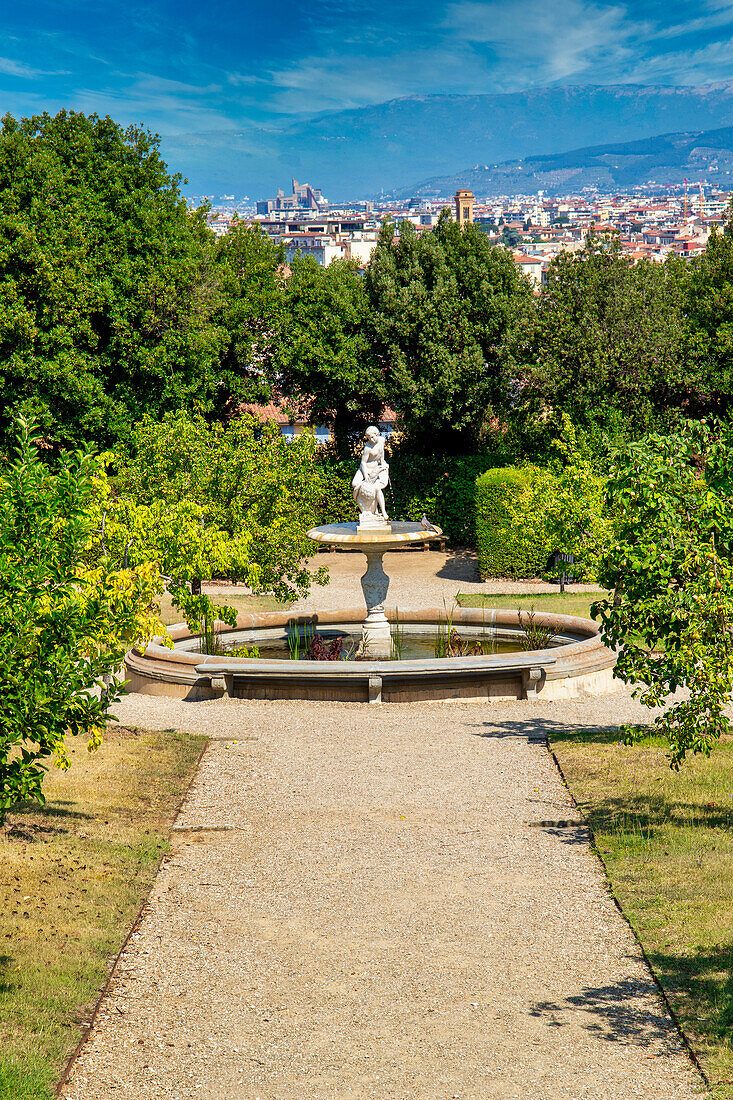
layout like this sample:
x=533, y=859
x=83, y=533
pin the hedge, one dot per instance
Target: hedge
x=505, y=548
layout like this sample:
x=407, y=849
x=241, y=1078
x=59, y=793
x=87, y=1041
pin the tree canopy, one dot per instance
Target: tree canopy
x=607, y=341
x=325, y=360
x=110, y=300
x=443, y=306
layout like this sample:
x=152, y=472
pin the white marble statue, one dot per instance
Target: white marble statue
x=370, y=481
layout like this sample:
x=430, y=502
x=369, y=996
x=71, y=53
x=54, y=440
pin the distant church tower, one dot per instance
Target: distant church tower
x=464, y=201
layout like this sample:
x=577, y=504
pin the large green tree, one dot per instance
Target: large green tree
x=110, y=288
x=607, y=343
x=443, y=305
x=249, y=309
x=707, y=283
x=325, y=359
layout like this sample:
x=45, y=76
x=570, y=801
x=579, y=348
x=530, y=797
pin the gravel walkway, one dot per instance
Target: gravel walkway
x=379, y=902
x=418, y=578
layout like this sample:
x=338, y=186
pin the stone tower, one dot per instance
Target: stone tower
x=464, y=201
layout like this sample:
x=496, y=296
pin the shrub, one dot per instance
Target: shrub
x=565, y=507
x=507, y=545
x=208, y=501
x=68, y=612
x=335, y=502
x=441, y=486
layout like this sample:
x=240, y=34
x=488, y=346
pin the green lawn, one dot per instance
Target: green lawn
x=73, y=875
x=666, y=839
x=569, y=603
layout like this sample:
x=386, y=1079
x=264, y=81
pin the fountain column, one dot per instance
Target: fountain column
x=375, y=632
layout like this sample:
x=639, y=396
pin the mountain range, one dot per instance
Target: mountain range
x=662, y=160
x=357, y=153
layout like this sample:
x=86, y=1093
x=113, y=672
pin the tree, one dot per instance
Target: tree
x=670, y=567
x=443, y=305
x=510, y=238
x=212, y=501
x=325, y=358
x=607, y=344
x=68, y=612
x=108, y=282
x=249, y=310
x=707, y=286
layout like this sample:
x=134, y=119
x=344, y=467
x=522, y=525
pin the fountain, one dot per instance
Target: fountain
x=374, y=535
x=575, y=663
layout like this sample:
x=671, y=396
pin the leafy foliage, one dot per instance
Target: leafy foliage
x=708, y=298
x=443, y=305
x=565, y=507
x=115, y=300
x=67, y=614
x=508, y=544
x=324, y=355
x=249, y=310
x=607, y=341
x=671, y=566
x=209, y=501
x=442, y=487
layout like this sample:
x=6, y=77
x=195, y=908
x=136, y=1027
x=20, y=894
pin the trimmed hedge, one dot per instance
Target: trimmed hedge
x=506, y=546
x=441, y=486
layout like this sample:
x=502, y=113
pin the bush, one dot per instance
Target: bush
x=441, y=486
x=507, y=546
x=565, y=507
x=67, y=614
x=335, y=503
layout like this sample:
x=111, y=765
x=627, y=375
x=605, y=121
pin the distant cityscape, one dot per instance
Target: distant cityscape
x=535, y=228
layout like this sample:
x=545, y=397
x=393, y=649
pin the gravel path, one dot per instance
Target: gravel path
x=417, y=579
x=374, y=902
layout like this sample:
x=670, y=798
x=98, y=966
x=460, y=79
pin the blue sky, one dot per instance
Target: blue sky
x=219, y=68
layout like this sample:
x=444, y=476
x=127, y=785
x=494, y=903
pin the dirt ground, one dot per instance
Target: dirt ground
x=381, y=902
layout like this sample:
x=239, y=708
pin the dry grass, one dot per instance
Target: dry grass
x=170, y=614
x=666, y=839
x=72, y=877
x=569, y=603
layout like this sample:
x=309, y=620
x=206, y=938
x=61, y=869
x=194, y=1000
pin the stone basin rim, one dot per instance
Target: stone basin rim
x=400, y=532
x=584, y=666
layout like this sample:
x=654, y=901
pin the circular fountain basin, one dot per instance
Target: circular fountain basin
x=577, y=664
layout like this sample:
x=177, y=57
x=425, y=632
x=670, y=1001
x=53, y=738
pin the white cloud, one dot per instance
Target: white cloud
x=17, y=68
x=548, y=42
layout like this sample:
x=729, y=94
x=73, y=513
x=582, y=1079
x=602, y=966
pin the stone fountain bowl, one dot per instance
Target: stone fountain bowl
x=580, y=666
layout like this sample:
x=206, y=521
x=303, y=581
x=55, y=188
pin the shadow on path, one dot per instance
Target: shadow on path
x=540, y=729
x=620, y=1012
x=462, y=565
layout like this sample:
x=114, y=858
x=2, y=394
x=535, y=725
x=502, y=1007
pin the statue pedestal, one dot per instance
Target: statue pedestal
x=371, y=521
x=376, y=640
